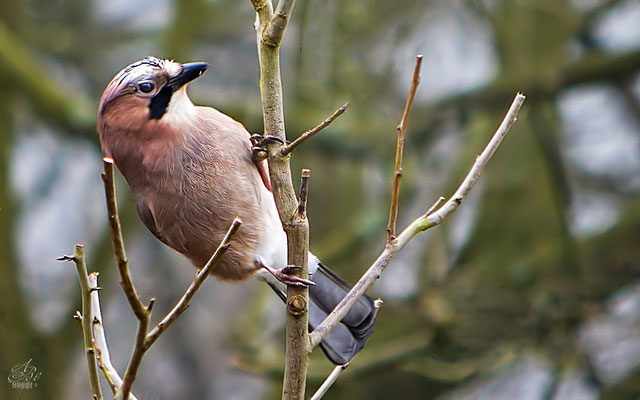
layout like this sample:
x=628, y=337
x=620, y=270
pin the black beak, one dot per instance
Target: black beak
x=189, y=72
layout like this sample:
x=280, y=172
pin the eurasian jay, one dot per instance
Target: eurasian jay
x=191, y=171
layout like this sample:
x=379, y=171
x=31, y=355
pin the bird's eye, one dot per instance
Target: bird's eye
x=146, y=87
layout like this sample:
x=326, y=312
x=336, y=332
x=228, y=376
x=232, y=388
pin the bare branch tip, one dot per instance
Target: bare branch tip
x=306, y=135
x=377, y=303
x=151, y=303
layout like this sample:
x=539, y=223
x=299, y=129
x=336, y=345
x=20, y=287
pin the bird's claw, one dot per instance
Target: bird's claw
x=284, y=274
x=259, y=145
x=255, y=139
x=259, y=153
x=258, y=140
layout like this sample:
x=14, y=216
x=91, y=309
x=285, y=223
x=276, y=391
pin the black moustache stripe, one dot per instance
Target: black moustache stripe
x=160, y=102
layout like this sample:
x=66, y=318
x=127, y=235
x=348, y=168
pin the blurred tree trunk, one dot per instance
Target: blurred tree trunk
x=19, y=342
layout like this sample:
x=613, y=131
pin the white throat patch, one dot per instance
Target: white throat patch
x=180, y=109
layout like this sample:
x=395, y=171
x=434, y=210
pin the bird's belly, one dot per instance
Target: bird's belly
x=194, y=224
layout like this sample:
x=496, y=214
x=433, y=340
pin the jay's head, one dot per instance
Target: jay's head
x=147, y=92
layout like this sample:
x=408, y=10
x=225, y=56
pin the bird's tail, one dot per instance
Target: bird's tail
x=351, y=334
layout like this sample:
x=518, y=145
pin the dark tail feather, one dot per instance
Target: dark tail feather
x=351, y=334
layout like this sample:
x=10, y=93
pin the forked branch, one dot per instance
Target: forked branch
x=144, y=338
x=86, y=319
x=182, y=304
x=424, y=222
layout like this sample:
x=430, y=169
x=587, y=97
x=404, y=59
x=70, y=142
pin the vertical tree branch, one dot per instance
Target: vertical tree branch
x=297, y=330
x=270, y=29
x=142, y=312
x=402, y=128
x=126, y=283
x=86, y=320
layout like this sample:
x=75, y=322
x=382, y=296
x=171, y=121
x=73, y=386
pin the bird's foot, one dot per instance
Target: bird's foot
x=259, y=154
x=259, y=143
x=284, y=274
x=260, y=140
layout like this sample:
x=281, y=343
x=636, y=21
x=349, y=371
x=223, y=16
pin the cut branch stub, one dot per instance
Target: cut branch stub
x=304, y=192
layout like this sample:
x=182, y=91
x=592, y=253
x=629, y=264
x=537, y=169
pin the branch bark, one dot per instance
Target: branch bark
x=270, y=29
x=86, y=320
x=402, y=129
x=100, y=340
x=333, y=376
x=182, y=304
x=126, y=283
x=144, y=340
x=308, y=134
x=424, y=222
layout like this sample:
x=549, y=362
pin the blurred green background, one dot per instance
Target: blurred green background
x=530, y=291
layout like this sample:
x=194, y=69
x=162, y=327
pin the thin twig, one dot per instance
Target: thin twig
x=87, y=332
x=435, y=205
x=200, y=277
x=481, y=161
x=333, y=376
x=288, y=149
x=100, y=340
x=136, y=355
x=402, y=129
x=118, y=243
x=420, y=224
